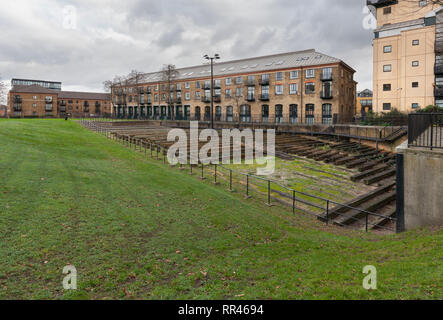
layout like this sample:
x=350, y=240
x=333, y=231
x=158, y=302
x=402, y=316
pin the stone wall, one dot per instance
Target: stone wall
x=423, y=187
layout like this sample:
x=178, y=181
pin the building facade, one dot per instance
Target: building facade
x=296, y=87
x=35, y=101
x=405, y=75
x=364, y=102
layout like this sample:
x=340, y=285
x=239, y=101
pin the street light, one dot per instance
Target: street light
x=215, y=57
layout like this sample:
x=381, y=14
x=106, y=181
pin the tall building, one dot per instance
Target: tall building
x=295, y=87
x=408, y=66
x=35, y=101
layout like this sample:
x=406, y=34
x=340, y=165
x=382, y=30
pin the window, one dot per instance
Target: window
x=265, y=113
x=34, y=105
x=423, y=3
x=415, y=42
x=310, y=114
x=293, y=88
x=386, y=106
x=310, y=73
x=387, y=87
x=415, y=63
x=34, y=97
x=187, y=85
x=197, y=95
x=326, y=74
x=327, y=113
x=387, y=49
x=239, y=92
x=414, y=84
x=228, y=93
x=387, y=68
x=387, y=10
x=187, y=96
x=310, y=87
x=414, y=106
x=279, y=89
x=278, y=113
x=228, y=81
x=197, y=84
x=294, y=75
x=239, y=80
x=251, y=93
x=293, y=113
x=279, y=76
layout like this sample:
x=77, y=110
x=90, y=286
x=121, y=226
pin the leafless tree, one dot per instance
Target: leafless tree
x=3, y=91
x=169, y=74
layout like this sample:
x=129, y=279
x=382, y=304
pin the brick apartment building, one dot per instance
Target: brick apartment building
x=297, y=87
x=43, y=99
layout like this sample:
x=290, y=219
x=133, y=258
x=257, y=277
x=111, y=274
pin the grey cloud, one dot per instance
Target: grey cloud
x=114, y=37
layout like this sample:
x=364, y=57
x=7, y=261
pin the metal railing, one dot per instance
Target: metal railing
x=425, y=130
x=270, y=190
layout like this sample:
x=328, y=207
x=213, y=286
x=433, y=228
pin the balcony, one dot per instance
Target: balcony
x=48, y=100
x=205, y=99
x=438, y=69
x=326, y=95
x=17, y=100
x=178, y=100
x=63, y=103
x=217, y=98
x=178, y=89
x=438, y=92
x=206, y=86
x=250, y=83
x=17, y=108
x=217, y=85
x=62, y=109
x=97, y=104
x=264, y=97
x=264, y=82
x=250, y=97
x=48, y=108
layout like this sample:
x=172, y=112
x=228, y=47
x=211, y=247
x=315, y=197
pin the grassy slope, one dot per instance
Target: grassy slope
x=135, y=228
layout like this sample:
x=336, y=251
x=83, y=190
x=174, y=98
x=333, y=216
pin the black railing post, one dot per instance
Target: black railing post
x=230, y=180
x=327, y=212
x=215, y=174
x=367, y=220
x=203, y=174
x=432, y=132
x=269, y=193
x=247, y=186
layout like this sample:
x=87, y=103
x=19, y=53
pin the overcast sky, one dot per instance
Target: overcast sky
x=42, y=39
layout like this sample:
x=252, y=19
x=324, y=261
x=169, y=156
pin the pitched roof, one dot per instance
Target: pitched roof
x=258, y=64
x=62, y=94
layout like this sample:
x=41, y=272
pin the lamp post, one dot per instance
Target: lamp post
x=215, y=57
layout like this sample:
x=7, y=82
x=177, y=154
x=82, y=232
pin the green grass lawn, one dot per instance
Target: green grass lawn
x=137, y=229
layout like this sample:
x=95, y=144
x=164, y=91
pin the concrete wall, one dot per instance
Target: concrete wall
x=423, y=184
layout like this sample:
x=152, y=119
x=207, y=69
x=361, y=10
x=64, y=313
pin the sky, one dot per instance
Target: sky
x=85, y=42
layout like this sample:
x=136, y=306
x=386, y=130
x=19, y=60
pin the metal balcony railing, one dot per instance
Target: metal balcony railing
x=264, y=82
x=264, y=97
